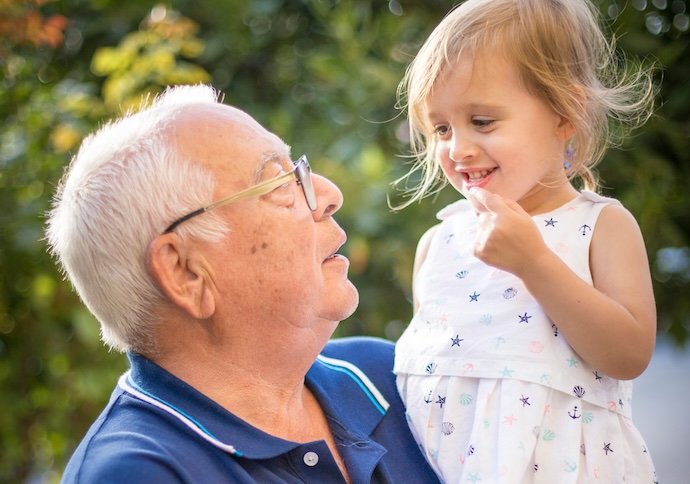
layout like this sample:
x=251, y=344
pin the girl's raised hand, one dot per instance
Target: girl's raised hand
x=507, y=237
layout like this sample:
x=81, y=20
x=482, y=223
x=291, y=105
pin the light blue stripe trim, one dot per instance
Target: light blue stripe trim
x=360, y=378
x=128, y=385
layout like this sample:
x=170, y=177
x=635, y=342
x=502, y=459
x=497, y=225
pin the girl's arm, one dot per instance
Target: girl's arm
x=612, y=325
x=420, y=257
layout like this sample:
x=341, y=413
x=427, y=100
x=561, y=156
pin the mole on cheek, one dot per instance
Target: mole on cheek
x=263, y=246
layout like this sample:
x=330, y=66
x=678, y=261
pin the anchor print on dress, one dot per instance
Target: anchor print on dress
x=585, y=229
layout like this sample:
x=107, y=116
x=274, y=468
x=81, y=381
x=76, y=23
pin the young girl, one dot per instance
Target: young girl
x=533, y=300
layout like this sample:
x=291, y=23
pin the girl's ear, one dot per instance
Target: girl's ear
x=171, y=264
x=566, y=129
x=565, y=126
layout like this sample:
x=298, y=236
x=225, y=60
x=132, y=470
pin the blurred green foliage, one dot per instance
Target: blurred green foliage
x=320, y=73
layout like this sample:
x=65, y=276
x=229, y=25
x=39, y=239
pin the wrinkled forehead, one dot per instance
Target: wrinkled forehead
x=208, y=132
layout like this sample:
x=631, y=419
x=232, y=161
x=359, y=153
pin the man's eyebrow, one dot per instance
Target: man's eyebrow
x=269, y=157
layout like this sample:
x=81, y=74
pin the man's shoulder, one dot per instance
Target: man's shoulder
x=119, y=442
x=135, y=442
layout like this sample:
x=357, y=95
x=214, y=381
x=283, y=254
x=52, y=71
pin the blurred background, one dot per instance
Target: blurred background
x=322, y=74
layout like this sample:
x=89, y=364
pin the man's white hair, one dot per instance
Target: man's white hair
x=125, y=185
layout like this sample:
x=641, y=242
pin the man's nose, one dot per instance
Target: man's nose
x=329, y=198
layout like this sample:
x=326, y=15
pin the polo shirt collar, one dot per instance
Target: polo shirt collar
x=359, y=407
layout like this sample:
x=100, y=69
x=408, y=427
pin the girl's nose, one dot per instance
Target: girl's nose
x=461, y=148
x=329, y=198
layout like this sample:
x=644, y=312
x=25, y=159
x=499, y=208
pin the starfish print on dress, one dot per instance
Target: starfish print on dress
x=456, y=341
x=572, y=362
x=506, y=372
x=441, y=401
x=607, y=448
x=474, y=297
x=524, y=318
x=509, y=419
x=597, y=376
x=525, y=401
x=473, y=478
x=551, y=222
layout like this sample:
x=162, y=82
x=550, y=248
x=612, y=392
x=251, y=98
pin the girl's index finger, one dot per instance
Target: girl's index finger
x=485, y=201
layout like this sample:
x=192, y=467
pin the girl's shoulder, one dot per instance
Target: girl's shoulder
x=587, y=195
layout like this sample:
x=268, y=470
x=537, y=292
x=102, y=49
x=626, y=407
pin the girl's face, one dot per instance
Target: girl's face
x=490, y=132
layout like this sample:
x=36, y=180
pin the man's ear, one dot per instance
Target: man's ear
x=170, y=262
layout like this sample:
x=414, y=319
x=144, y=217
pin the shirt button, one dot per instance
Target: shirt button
x=311, y=459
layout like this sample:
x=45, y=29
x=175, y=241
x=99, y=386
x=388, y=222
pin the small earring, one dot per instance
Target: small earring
x=569, y=155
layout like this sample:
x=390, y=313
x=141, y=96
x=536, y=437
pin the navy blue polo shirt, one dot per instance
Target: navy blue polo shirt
x=157, y=429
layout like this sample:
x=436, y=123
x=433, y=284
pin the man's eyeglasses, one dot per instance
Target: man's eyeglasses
x=301, y=172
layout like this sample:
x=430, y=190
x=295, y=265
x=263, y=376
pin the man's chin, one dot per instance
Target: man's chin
x=346, y=304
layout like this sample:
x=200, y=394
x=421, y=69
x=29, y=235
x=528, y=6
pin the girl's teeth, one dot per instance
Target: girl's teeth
x=476, y=175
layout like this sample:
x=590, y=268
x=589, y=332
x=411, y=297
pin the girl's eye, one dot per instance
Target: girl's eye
x=482, y=122
x=441, y=130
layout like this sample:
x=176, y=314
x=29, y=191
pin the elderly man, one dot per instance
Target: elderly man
x=212, y=259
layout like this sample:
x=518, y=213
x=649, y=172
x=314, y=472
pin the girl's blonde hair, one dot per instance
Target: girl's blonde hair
x=563, y=58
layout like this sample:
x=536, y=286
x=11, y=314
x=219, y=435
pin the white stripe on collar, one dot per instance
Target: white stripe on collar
x=196, y=427
x=362, y=380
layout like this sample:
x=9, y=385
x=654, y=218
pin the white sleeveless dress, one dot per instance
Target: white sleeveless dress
x=494, y=393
